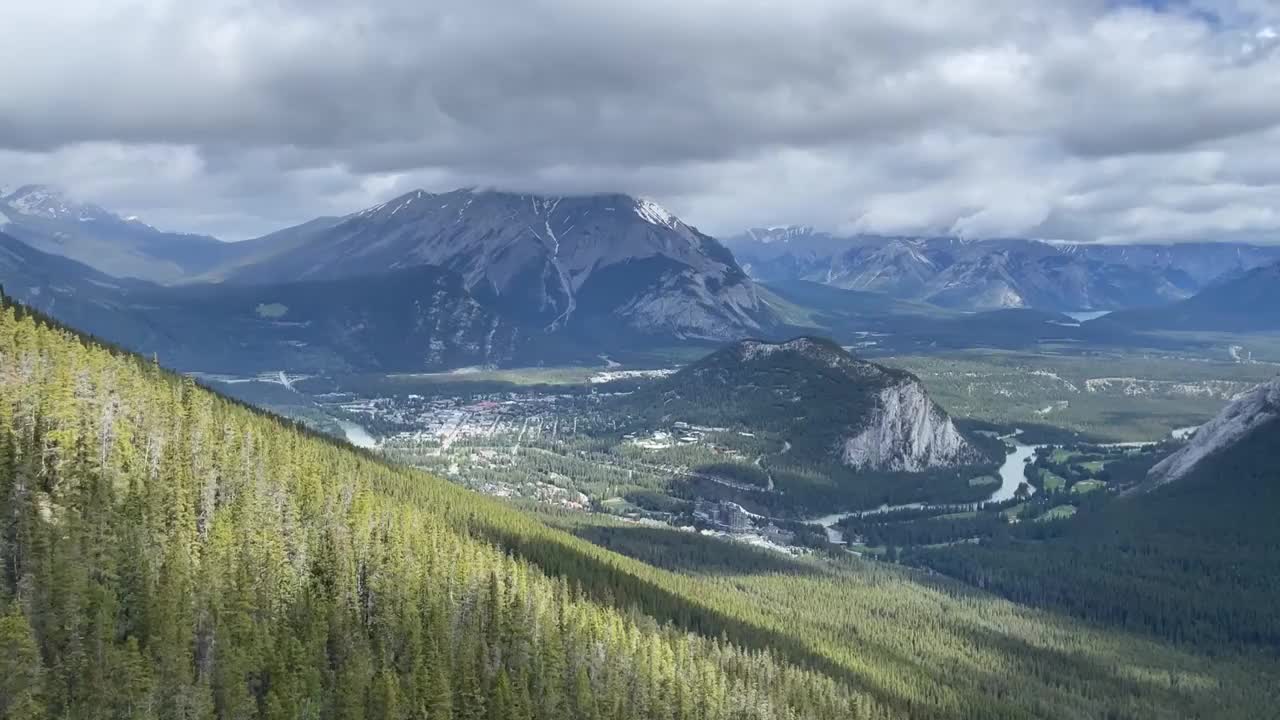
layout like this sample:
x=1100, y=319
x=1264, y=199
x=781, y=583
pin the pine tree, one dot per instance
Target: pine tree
x=21, y=672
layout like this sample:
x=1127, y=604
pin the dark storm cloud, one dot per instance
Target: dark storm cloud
x=974, y=116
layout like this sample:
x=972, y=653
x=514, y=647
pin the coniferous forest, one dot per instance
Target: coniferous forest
x=170, y=553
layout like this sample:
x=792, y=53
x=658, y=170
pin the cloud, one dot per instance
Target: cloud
x=970, y=116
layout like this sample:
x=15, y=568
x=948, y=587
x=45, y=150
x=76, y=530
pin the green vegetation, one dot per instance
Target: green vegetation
x=1058, y=512
x=1061, y=455
x=883, y=620
x=1193, y=562
x=170, y=553
x=1116, y=397
x=1051, y=482
x=1087, y=486
x=793, y=409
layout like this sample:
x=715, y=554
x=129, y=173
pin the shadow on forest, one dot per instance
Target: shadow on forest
x=609, y=583
x=1101, y=674
x=689, y=552
x=613, y=585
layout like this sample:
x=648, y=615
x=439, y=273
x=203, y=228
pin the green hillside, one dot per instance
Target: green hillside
x=1193, y=562
x=169, y=553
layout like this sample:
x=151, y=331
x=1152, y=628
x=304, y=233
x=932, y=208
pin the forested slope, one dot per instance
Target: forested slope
x=1196, y=561
x=170, y=553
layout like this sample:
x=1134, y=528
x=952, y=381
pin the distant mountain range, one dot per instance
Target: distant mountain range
x=991, y=274
x=423, y=282
x=430, y=281
x=49, y=220
x=1244, y=302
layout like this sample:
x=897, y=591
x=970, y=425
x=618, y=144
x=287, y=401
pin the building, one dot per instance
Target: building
x=734, y=517
x=773, y=533
x=724, y=515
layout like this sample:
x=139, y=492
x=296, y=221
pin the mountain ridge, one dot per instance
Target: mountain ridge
x=1249, y=413
x=1244, y=302
x=52, y=221
x=993, y=273
x=536, y=256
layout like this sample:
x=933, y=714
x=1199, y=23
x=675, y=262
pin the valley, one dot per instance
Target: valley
x=867, y=489
x=555, y=436
x=885, y=360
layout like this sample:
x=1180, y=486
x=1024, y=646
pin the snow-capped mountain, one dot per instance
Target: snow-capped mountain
x=999, y=273
x=603, y=264
x=43, y=201
x=815, y=395
x=1257, y=410
x=52, y=221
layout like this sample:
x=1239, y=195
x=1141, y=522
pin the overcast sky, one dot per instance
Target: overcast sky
x=1083, y=120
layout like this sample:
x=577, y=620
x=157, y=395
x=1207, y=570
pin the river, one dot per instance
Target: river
x=1011, y=476
x=357, y=435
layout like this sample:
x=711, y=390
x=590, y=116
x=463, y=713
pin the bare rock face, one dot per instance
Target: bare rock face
x=1246, y=413
x=597, y=261
x=817, y=397
x=907, y=432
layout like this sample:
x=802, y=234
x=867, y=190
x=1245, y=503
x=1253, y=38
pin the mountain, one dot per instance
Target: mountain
x=785, y=253
x=1188, y=553
x=73, y=292
x=412, y=285
x=1247, y=302
x=600, y=265
x=169, y=552
x=813, y=394
x=1256, y=412
x=412, y=320
x=49, y=220
x=178, y=554
x=983, y=274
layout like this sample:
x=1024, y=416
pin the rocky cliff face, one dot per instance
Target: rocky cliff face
x=907, y=432
x=1247, y=413
x=817, y=397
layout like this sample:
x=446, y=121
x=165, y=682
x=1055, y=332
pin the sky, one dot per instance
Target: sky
x=1089, y=120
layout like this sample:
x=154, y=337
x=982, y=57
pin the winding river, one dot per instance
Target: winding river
x=1011, y=476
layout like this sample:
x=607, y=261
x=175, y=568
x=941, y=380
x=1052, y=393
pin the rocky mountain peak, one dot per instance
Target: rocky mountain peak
x=52, y=203
x=1246, y=413
x=818, y=350
x=779, y=234
x=867, y=416
x=595, y=263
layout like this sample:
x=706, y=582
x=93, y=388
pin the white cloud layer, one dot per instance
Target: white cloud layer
x=1088, y=120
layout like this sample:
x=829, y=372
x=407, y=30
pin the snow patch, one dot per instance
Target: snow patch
x=652, y=212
